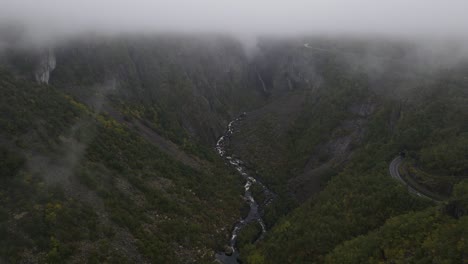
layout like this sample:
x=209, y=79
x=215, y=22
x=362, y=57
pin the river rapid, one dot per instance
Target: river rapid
x=256, y=210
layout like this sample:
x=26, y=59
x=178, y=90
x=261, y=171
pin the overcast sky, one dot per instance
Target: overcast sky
x=390, y=17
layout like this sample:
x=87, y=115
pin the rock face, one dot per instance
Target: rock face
x=199, y=82
x=46, y=65
x=228, y=250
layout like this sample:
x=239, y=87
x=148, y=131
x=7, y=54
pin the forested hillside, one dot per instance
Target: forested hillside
x=184, y=87
x=109, y=155
x=328, y=146
x=78, y=186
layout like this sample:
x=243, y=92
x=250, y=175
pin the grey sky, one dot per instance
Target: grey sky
x=390, y=17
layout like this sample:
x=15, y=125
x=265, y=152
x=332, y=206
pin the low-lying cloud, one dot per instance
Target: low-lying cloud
x=407, y=18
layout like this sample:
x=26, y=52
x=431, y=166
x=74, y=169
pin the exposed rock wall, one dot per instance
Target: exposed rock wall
x=47, y=63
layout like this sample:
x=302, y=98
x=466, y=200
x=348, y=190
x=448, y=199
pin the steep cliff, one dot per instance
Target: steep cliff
x=107, y=147
x=47, y=63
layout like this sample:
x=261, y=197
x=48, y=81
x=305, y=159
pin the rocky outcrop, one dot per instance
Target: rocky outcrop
x=47, y=63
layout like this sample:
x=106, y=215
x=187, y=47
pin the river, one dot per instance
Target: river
x=256, y=210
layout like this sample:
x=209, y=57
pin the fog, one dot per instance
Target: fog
x=397, y=18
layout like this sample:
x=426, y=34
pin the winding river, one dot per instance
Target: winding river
x=256, y=210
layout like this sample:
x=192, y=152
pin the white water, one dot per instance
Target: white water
x=255, y=214
x=46, y=66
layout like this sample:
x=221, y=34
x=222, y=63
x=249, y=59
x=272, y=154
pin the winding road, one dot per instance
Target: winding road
x=394, y=172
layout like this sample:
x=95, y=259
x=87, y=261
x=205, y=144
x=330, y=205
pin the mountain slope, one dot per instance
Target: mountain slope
x=113, y=159
x=360, y=195
x=97, y=191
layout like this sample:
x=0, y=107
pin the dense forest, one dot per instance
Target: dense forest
x=112, y=160
x=78, y=186
x=331, y=157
